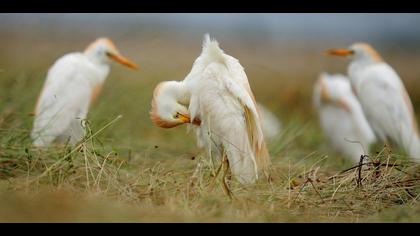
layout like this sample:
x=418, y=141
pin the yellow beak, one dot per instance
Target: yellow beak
x=122, y=60
x=339, y=52
x=186, y=119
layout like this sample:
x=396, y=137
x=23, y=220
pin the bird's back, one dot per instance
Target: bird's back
x=388, y=107
x=346, y=128
x=221, y=96
x=65, y=97
x=346, y=134
x=223, y=125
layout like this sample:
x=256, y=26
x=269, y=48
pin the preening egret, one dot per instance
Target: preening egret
x=215, y=99
x=72, y=83
x=383, y=97
x=341, y=116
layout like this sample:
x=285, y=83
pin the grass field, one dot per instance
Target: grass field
x=129, y=170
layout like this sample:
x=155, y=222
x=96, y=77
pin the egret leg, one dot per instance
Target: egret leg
x=226, y=174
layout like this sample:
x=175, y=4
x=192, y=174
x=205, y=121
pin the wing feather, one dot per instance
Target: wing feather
x=239, y=86
x=388, y=107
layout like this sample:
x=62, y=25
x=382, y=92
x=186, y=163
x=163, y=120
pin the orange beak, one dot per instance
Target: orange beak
x=186, y=119
x=122, y=60
x=340, y=52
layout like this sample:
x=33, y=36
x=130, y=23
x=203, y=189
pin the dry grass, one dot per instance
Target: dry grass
x=87, y=183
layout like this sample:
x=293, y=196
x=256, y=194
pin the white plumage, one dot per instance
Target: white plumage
x=271, y=125
x=217, y=94
x=72, y=83
x=383, y=97
x=341, y=116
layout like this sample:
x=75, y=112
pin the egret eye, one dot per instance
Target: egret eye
x=176, y=116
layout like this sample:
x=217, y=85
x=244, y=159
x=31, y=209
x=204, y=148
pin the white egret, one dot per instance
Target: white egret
x=217, y=99
x=72, y=84
x=341, y=116
x=383, y=97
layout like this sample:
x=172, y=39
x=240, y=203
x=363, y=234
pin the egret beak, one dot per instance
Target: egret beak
x=340, y=52
x=122, y=60
x=186, y=119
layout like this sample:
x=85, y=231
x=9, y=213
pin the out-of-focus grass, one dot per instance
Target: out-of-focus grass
x=134, y=171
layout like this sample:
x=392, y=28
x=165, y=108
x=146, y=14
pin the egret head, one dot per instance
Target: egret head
x=357, y=51
x=103, y=50
x=169, y=105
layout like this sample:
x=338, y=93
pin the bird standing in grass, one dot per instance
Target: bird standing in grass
x=341, y=116
x=72, y=84
x=215, y=99
x=383, y=97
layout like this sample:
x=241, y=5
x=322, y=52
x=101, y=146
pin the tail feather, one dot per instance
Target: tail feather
x=256, y=140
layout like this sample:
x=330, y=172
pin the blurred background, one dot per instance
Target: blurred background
x=282, y=54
